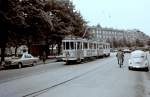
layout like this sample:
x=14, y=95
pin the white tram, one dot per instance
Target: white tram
x=79, y=49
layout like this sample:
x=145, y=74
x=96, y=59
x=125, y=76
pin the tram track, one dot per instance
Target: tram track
x=37, y=93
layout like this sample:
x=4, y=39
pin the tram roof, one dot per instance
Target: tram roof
x=71, y=38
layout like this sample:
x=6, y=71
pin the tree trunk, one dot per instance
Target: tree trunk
x=3, y=52
x=52, y=49
x=16, y=50
x=29, y=46
x=59, y=47
x=47, y=47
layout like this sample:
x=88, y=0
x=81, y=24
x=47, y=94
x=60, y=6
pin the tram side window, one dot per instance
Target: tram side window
x=85, y=46
x=94, y=45
x=100, y=46
x=90, y=45
x=106, y=46
x=67, y=45
x=103, y=46
x=64, y=45
x=72, y=45
x=78, y=45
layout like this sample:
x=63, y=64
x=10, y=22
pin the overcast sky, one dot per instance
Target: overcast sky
x=120, y=14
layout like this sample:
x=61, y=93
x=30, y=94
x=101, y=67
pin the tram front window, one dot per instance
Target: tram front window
x=85, y=46
x=64, y=45
x=72, y=45
x=78, y=45
x=67, y=45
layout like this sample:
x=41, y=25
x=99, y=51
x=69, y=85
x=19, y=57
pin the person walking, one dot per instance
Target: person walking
x=44, y=57
x=120, y=57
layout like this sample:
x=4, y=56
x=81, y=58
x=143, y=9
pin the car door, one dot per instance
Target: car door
x=25, y=59
x=30, y=59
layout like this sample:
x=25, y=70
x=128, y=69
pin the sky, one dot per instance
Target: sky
x=118, y=14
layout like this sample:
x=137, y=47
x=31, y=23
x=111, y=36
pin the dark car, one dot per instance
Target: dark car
x=127, y=51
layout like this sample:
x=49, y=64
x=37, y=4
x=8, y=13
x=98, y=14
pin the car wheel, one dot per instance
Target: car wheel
x=19, y=65
x=129, y=68
x=6, y=67
x=147, y=69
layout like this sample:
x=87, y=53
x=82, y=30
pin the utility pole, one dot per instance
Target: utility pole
x=85, y=32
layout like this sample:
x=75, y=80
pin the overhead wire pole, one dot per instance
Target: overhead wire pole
x=85, y=32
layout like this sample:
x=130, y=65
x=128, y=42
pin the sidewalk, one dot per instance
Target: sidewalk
x=47, y=61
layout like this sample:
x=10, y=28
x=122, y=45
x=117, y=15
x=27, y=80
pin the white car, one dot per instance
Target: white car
x=21, y=60
x=138, y=60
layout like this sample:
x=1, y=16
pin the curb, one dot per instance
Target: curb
x=47, y=61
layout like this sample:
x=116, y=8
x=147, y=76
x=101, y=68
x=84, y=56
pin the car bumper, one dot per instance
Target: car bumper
x=138, y=66
x=9, y=64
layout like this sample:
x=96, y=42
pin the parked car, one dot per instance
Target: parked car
x=127, y=51
x=21, y=60
x=115, y=50
x=138, y=60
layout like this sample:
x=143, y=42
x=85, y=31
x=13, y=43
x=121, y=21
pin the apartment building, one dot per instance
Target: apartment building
x=109, y=34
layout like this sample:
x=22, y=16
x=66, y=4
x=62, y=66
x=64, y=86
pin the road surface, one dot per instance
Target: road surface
x=99, y=78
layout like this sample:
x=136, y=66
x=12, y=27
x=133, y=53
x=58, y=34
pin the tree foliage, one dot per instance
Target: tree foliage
x=44, y=20
x=139, y=43
x=30, y=21
x=148, y=42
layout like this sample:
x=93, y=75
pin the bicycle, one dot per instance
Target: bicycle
x=120, y=62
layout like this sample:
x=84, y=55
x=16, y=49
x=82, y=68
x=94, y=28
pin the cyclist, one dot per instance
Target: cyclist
x=120, y=57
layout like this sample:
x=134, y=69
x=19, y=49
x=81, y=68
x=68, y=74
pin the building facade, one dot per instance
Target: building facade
x=110, y=34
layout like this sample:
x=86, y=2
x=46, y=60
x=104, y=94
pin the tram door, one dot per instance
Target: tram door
x=78, y=51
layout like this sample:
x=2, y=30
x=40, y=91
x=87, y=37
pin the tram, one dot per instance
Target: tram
x=78, y=49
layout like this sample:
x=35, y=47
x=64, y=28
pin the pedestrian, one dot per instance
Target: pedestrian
x=44, y=57
x=120, y=57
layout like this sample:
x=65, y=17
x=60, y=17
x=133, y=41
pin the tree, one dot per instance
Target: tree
x=3, y=27
x=139, y=43
x=32, y=21
x=124, y=42
x=148, y=42
x=29, y=22
x=66, y=21
x=115, y=43
x=129, y=44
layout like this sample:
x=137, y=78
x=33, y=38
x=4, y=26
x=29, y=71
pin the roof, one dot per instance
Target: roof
x=137, y=52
